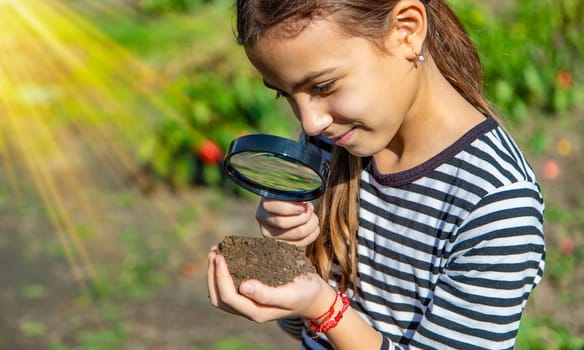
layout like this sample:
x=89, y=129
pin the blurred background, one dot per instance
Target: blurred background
x=114, y=116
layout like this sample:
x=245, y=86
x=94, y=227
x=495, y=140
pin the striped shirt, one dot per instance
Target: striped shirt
x=449, y=250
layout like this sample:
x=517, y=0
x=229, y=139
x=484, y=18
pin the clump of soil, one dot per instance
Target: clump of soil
x=272, y=262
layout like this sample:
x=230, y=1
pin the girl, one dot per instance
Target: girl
x=430, y=234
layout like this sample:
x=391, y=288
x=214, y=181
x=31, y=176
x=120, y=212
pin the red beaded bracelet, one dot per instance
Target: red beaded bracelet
x=331, y=323
x=327, y=314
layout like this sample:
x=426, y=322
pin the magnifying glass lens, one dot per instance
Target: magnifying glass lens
x=272, y=171
x=276, y=167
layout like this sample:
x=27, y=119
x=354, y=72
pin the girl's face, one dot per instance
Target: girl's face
x=340, y=86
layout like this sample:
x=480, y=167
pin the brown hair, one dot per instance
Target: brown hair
x=450, y=47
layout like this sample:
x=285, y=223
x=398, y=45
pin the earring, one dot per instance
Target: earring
x=420, y=58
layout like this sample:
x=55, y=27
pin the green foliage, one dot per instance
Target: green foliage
x=232, y=344
x=157, y=6
x=167, y=36
x=224, y=107
x=34, y=291
x=530, y=52
x=540, y=334
x=538, y=142
x=112, y=336
x=103, y=339
x=33, y=328
x=141, y=271
x=560, y=266
x=212, y=106
x=161, y=6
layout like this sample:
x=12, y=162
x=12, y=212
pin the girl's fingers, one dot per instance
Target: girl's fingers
x=216, y=284
x=225, y=284
x=211, y=284
x=214, y=275
x=283, y=296
x=231, y=301
x=300, y=229
x=282, y=221
x=301, y=235
x=283, y=208
x=254, y=300
x=302, y=295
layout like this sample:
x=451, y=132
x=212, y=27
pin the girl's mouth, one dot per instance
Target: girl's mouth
x=343, y=139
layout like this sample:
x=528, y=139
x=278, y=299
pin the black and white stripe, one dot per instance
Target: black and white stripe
x=450, y=250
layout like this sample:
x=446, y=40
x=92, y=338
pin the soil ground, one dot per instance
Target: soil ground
x=271, y=262
x=43, y=294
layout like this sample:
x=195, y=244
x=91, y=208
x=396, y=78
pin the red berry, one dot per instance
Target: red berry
x=188, y=269
x=564, y=79
x=551, y=169
x=209, y=152
x=567, y=246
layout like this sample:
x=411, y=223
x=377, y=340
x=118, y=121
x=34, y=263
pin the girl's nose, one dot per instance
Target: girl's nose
x=313, y=117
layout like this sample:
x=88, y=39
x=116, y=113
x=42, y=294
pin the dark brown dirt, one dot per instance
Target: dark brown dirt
x=272, y=262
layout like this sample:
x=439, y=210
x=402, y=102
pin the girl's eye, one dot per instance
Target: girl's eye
x=323, y=88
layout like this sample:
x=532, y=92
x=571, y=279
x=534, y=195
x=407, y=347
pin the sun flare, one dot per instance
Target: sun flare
x=61, y=77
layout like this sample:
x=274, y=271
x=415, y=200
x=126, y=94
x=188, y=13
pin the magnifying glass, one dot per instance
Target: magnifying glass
x=276, y=167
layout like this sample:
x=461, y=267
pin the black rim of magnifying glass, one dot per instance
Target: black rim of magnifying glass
x=284, y=149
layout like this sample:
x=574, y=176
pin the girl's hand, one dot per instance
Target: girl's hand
x=293, y=222
x=306, y=296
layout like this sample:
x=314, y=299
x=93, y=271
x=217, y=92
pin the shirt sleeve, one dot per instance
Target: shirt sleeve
x=293, y=326
x=495, y=260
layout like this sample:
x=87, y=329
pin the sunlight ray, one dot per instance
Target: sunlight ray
x=75, y=102
x=136, y=77
x=110, y=57
x=79, y=74
x=6, y=160
x=94, y=87
x=44, y=189
x=127, y=77
x=130, y=75
x=36, y=143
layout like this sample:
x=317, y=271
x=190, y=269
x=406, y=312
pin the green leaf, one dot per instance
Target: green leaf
x=539, y=142
x=34, y=291
x=201, y=114
x=33, y=328
x=578, y=95
x=211, y=174
x=534, y=83
x=503, y=92
x=519, y=111
x=147, y=148
x=161, y=162
x=183, y=171
x=561, y=101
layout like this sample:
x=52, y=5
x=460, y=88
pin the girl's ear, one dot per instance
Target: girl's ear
x=409, y=26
